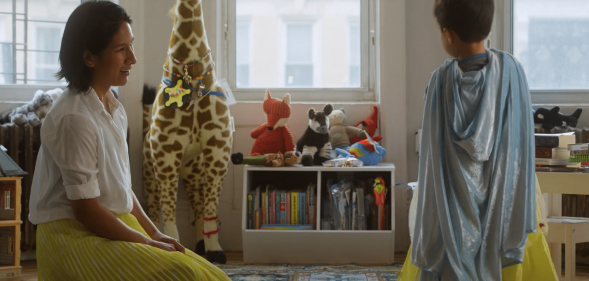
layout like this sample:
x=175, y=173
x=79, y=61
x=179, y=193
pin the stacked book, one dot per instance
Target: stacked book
x=553, y=149
x=275, y=209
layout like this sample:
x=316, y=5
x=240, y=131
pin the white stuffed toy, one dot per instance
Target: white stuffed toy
x=34, y=111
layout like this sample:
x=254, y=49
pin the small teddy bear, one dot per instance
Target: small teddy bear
x=34, y=111
x=339, y=133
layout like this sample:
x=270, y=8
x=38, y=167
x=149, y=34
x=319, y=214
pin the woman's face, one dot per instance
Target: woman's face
x=112, y=66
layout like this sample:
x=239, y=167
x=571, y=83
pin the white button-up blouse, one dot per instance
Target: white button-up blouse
x=83, y=155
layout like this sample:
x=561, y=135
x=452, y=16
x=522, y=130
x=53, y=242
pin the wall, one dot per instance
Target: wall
x=409, y=51
x=157, y=28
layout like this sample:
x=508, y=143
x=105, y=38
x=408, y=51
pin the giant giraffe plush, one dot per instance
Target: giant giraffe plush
x=193, y=141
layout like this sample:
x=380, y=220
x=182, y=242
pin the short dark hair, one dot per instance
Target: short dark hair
x=91, y=27
x=470, y=19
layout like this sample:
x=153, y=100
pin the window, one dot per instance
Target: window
x=242, y=55
x=299, y=56
x=30, y=37
x=354, y=38
x=551, y=39
x=316, y=50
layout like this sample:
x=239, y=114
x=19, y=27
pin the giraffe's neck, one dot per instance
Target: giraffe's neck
x=188, y=43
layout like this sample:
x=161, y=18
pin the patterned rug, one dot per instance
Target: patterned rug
x=349, y=272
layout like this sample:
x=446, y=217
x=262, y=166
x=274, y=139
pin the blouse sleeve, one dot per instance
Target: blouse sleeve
x=73, y=146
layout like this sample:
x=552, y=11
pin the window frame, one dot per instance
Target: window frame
x=17, y=94
x=504, y=11
x=367, y=92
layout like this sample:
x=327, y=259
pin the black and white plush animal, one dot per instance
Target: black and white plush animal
x=314, y=144
x=34, y=111
x=550, y=118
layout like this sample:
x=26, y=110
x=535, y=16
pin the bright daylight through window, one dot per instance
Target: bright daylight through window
x=303, y=44
x=551, y=40
x=30, y=38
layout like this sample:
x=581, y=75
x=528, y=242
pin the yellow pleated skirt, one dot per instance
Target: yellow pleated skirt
x=66, y=250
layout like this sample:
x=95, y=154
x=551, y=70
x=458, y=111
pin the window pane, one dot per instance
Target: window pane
x=299, y=76
x=287, y=38
x=299, y=41
x=38, y=39
x=551, y=40
x=242, y=44
x=5, y=6
x=354, y=60
x=54, y=10
x=354, y=76
x=243, y=75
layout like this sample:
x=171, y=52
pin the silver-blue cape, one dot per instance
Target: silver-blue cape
x=476, y=197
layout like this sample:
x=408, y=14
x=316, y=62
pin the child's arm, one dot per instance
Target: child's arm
x=258, y=131
x=354, y=131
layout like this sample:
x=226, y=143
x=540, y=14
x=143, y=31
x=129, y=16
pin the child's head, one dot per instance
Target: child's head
x=463, y=22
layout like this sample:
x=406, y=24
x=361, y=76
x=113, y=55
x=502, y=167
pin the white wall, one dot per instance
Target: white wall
x=157, y=26
x=410, y=50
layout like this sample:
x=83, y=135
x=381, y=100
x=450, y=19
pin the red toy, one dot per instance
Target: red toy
x=273, y=136
x=369, y=125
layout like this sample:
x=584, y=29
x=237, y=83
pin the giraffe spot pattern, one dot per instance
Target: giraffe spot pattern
x=221, y=108
x=162, y=138
x=212, y=126
x=170, y=148
x=184, y=44
x=204, y=117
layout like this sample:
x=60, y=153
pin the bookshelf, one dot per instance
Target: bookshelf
x=10, y=221
x=317, y=246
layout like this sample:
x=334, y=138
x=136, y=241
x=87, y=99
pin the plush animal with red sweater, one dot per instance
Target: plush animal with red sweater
x=273, y=136
x=369, y=125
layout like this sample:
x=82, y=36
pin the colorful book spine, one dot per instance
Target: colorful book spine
x=294, y=205
x=282, y=208
x=264, y=208
x=287, y=197
x=250, y=211
x=303, y=205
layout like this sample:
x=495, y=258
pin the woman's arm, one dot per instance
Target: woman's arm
x=104, y=223
x=150, y=228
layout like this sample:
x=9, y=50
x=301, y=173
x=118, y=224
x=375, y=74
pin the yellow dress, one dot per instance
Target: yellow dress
x=537, y=263
x=66, y=250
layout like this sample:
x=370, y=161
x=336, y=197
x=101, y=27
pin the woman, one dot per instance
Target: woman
x=90, y=224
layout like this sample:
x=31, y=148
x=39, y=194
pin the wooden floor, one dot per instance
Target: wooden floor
x=29, y=268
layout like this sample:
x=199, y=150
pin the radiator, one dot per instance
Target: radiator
x=23, y=144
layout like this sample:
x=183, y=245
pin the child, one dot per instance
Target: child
x=476, y=201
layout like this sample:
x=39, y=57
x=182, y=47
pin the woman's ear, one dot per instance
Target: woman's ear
x=89, y=59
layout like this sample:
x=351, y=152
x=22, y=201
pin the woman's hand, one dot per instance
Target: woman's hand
x=165, y=242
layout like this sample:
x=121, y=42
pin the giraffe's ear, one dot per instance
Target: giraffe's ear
x=267, y=95
x=172, y=11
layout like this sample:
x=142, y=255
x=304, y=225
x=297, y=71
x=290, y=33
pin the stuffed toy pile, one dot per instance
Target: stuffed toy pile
x=34, y=111
x=369, y=125
x=368, y=151
x=339, y=133
x=273, y=145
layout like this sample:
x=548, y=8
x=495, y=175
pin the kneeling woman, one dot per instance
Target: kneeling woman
x=90, y=224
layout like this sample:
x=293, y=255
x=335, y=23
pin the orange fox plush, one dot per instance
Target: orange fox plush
x=273, y=136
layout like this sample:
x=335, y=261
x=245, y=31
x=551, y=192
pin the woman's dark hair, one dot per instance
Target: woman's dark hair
x=91, y=27
x=470, y=19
